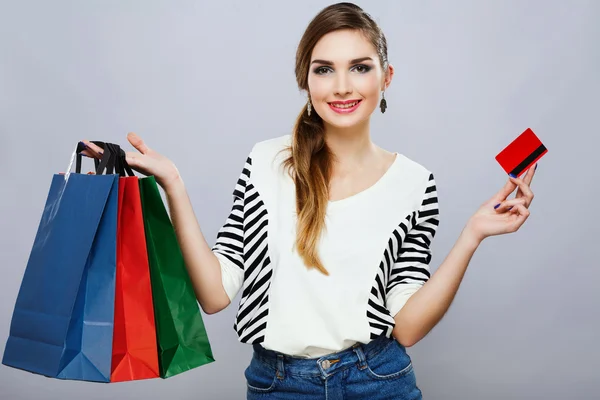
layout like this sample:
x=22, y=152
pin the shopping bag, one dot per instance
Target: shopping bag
x=134, y=352
x=62, y=323
x=182, y=340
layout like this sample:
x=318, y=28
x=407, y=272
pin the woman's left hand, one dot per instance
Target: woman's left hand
x=498, y=215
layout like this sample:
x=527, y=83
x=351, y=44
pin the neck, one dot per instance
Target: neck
x=350, y=146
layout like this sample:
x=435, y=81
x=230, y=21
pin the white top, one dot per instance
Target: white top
x=376, y=248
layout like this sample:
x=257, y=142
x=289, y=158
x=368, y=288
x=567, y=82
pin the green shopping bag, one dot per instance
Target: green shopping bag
x=182, y=340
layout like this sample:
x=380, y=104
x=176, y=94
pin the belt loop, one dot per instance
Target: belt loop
x=362, y=362
x=280, y=368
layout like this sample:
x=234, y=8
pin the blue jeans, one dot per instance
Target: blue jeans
x=378, y=370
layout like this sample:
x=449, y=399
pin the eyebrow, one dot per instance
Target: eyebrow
x=356, y=60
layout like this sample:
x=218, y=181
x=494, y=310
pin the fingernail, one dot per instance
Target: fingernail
x=535, y=166
x=510, y=209
x=496, y=206
x=512, y=175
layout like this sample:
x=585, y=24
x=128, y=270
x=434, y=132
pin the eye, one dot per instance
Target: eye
x=321, y=70
x=361, y=68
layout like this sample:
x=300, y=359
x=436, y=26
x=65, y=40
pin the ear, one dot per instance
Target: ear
x=387, y=79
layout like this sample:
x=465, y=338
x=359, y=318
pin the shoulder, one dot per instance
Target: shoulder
x=414, y=171
x=413, y=183
x=266, y=156
x=268, y=148
x=421, y=186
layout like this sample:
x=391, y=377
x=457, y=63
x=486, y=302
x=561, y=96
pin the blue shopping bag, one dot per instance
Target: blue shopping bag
x=62, y=324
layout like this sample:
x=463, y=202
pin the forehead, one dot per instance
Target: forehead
x=342, y=46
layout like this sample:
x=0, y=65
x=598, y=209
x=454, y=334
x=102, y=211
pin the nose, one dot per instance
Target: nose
x=343, y=85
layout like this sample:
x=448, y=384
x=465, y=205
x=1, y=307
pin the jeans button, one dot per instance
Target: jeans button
x=326, y=364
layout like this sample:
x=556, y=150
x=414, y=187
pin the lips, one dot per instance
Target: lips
x=344, y=107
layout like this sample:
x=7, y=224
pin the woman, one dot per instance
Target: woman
x=329, y=235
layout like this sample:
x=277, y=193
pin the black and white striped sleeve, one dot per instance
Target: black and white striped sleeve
x=411, y=268
x=229, y=246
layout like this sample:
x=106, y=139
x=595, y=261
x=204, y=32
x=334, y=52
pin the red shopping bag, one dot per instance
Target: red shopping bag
x=135, y=353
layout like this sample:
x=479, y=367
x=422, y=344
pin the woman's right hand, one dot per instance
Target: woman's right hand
x=145, y=161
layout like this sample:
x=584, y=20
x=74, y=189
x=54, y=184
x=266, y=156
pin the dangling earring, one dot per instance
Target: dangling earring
x=308, y=107
x=383, y=103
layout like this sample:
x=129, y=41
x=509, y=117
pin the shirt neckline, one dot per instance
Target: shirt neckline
x=370, y=189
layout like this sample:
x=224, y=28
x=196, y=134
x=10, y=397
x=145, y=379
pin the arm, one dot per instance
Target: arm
x=202, y=265
x=218, y=273
x=426, y=307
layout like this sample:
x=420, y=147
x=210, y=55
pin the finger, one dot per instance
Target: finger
x=137, y=142
x=503, y=193
x=136, y=161
x=524, y=189
x=91, y=154
x=92, y=150
x=132, y=159
x=522, y=215
x=508, y=204
x=528, y=178
x=530, y=173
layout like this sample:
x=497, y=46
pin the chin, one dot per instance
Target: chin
x=345, y=121
x=358, y=117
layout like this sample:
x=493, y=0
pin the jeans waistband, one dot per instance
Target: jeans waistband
x=326, y=365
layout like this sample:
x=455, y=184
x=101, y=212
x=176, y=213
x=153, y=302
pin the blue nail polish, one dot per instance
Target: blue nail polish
x=512, y=175
x=510, y=209
x=535, y=167
x=496, y=206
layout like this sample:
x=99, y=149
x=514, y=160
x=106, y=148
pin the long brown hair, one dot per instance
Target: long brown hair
x=309, y=161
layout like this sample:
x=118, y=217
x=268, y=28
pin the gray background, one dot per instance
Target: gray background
x=202, y=81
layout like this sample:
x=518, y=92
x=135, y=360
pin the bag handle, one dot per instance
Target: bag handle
x=121, y=166
x=112, y=161
x=105, y=163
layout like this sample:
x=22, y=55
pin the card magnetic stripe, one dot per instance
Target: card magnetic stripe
x=530, y=159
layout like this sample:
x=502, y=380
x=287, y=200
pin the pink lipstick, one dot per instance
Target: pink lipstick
x=344, y=107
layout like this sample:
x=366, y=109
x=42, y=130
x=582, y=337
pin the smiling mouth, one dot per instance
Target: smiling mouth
x=344, y=105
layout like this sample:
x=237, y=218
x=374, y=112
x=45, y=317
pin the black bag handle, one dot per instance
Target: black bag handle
x=121, y=166
x=105, y=163
x=113, y=160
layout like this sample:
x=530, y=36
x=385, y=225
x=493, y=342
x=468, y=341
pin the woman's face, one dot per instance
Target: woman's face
x=345, y=78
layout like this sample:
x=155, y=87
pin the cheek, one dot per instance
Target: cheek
x=319, y=89
x=368, y=86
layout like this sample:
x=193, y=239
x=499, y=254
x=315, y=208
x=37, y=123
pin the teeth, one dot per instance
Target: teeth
x=349, y=105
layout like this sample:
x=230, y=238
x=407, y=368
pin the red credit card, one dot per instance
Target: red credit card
x=521, y=153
